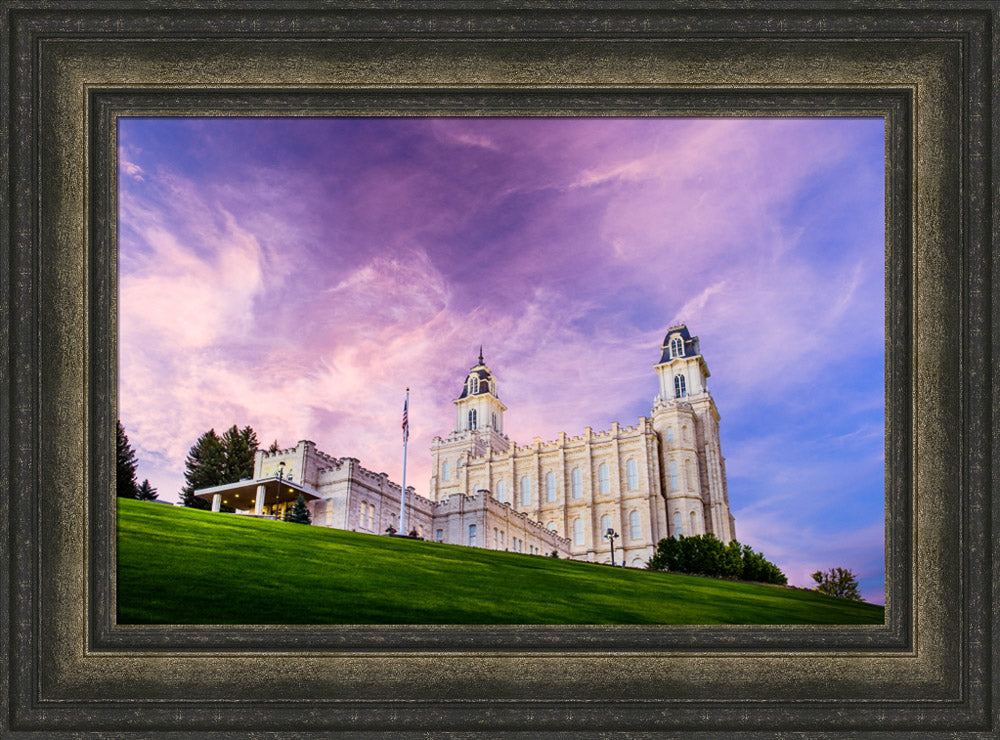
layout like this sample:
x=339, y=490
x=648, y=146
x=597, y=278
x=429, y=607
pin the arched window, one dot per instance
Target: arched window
x=364, y=514
x=525, y=491
x=371, y=516
x=670, y=434
x=676, y=347
x=694, y=523
x=444, y=471
x=577, y=483
x=420, y=530
x=551, y=526
x=472, y=535
x=502, y=491
x=496, y=538
x=674, y=482
x=577, y=532
x=635, y=525
x=678, y=529
x=680, y=386
x=605, y=524
x=632, y=473
x=690, y=475
x=550, y=486
x=473, y=384
x=494, y=417
x=472, y=418
x=685, y=435
x=602, y=476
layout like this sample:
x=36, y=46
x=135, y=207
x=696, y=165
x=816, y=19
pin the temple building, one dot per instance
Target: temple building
x=664, y=475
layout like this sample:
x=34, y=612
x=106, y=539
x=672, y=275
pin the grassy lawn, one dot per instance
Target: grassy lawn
x=182, y=566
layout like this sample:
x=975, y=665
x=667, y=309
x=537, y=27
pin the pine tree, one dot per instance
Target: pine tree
x=240, y=446
x=299, y=513
x=274, y=447
x=146, y=492
x=205, y=466
x=125, y=485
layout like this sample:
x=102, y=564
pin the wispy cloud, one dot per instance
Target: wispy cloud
x=298, y=274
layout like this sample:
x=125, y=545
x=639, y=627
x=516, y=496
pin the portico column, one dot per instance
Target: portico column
x=217, y=502
x=258, y=508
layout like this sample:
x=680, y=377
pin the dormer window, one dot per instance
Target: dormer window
x=676, y=347
x=473, y=384
x=680, y=386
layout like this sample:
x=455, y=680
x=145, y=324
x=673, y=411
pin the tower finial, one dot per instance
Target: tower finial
x=480, y=354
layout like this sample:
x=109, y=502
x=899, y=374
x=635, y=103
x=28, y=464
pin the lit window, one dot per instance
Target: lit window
x=420, y=530
x=678, y=529
x=502, y=492
x=602, y=476
x=676, y=347
x=635, y=525
x=577, y=532
x=632, y=472
x=577, y=483
x=680, y=386
x=472, y=535
x=525, y=491
x=674, y=482
x=550, y=486
x=472, y=418
x=444, y=471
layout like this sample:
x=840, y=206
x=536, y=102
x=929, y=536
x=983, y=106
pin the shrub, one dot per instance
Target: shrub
x=705, y=554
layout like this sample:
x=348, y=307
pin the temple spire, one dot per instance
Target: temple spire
x=480, y=354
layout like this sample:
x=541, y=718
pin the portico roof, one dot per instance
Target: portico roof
x=243, y=494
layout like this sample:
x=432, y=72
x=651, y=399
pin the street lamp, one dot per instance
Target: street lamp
x=281, y=475
x=610, y=536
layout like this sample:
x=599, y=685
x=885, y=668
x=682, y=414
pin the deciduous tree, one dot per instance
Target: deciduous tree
x=838, y=582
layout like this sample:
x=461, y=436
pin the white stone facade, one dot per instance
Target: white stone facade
x=663, y=476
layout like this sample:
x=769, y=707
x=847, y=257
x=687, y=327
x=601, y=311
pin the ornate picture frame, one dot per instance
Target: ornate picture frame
x=72, y=68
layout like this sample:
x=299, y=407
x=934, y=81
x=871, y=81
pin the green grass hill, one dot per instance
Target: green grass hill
x=182, y=566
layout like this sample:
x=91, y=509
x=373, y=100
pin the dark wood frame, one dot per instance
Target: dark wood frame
x=70, y=68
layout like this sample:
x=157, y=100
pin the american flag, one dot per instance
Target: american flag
x=406, y=419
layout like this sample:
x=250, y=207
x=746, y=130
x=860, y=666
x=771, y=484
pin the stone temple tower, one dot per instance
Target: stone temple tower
x=478, y=431
x=692, y=469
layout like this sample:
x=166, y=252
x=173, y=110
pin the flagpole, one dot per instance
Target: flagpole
x=406, y=437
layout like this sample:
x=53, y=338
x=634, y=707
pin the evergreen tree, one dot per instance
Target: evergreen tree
x=146, y=492
x=838, y=582
x=205, y=466
x=298, y=513
x=215, y=460
x=274, y=447
x=240, y=446
x=125, y=485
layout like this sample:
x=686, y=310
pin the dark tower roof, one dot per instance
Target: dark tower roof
x=690, y=343
x=486, y=383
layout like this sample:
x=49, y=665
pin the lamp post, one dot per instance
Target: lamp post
x=281, y=475
x=610, y=536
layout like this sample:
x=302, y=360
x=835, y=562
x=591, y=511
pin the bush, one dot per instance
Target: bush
x=705, y=554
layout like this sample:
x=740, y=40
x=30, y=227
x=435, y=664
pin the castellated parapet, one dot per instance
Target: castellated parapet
x=664, y=475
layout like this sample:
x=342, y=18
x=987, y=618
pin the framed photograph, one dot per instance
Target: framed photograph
x=76, y=73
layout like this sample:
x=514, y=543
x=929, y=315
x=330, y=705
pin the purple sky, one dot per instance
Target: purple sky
x=297, y=274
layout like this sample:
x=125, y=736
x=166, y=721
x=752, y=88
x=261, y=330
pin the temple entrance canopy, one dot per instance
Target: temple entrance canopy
x=263, y=496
